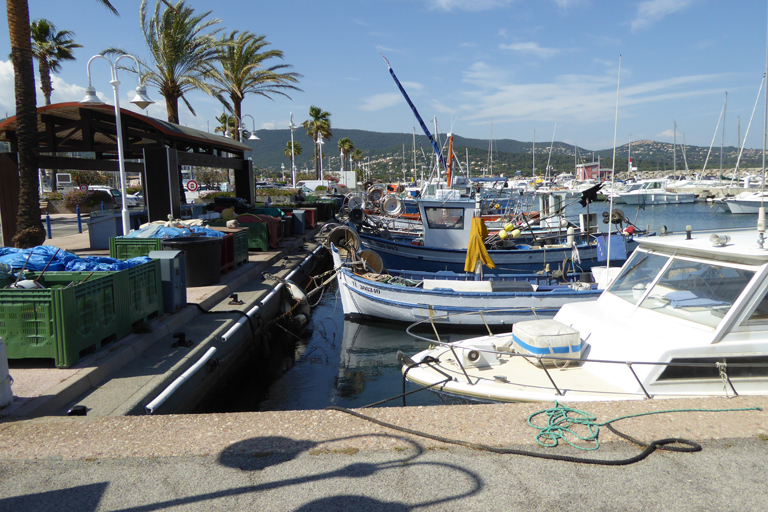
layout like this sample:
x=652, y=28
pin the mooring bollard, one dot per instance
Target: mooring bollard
x=79, y=221
x=48, y=224
x=102, y=206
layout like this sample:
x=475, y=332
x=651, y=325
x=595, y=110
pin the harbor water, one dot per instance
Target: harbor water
x=350, y=364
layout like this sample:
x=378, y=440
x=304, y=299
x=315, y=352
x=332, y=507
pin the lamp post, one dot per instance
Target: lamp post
x=141, y=100
x=282, y=168
x=239, y=126
x=293, y=151
x=320, y=145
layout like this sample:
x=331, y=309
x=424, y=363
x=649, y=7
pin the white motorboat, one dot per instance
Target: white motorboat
x=656, y=192
x=746, y=202
x=684, y=318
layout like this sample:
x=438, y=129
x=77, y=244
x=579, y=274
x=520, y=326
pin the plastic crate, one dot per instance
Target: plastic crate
x=240, y=236
x=258, y=233
x=63, y=320
x=227, y=253
x=310, y=218
x=127, y=248
x=141, y=294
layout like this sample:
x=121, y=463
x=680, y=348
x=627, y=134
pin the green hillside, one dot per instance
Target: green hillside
x=391, y=153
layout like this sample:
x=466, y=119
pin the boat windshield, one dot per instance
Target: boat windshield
x=699, y=291
x=444, y=218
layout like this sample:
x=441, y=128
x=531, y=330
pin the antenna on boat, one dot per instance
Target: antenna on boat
x=613, y=171
x=761, y=210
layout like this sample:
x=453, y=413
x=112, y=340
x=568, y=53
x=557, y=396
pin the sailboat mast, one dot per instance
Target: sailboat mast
x=722, y=138
x=533, y=153
x=613, y=168
x=629, y=157
x=674, y=150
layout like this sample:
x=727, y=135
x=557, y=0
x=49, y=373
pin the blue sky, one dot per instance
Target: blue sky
x=518, y=65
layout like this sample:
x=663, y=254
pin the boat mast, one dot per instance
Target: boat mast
x=490, y=151
x=717, y=127
x=533, y=153
x=629, y=157
x=613, y=172
x=722, y=138
x=761, y=210
x=550, y=147
x=674, y=149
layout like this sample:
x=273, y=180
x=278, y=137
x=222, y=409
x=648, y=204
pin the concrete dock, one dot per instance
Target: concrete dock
x=120, y=458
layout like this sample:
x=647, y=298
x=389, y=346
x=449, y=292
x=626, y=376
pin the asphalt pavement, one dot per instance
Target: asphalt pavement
x=726, y=476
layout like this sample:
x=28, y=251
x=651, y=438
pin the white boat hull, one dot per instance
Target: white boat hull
x=366, y=299
x=658, y=198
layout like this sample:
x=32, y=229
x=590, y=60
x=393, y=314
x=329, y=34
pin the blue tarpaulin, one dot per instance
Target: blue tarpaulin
x=160, y=231
x=60, y=260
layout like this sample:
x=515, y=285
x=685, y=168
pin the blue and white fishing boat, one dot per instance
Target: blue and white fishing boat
x=457, y=299
x=447, y=226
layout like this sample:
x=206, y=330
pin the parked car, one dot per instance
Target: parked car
x=116, y=196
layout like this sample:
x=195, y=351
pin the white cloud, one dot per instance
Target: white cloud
x=567, y=98
x=651, y=11
x=468, y=5
x=666, y=133
x=532, y=49
x=381, y=101
x=7, y=99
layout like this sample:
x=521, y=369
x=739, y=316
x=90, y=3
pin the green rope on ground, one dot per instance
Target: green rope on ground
x=561, y=421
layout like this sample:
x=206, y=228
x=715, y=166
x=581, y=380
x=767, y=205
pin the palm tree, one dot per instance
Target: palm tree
x=50, y=48
x=242, y=57
x=319, y=123
x=182, y=52
x=346, y=147
x=29, y=227
x=226, y=124
x=296, y=150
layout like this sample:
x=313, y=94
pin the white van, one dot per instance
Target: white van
x=313, y=184
x=116, y=196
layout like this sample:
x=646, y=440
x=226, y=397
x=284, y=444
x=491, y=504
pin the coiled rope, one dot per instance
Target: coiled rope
x=562, y=422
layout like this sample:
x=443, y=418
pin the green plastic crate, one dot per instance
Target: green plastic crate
x=141, y=296
x=258, y=233
x=61, y=321
x=127, y=248
x=241, y=247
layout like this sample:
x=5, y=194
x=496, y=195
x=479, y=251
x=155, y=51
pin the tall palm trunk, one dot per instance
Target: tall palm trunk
x=172, y=109
x=29, y=227
x=237, y=109
x=45, y=80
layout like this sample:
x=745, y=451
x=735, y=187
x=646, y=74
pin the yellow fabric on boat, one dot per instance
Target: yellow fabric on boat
x=476, y=248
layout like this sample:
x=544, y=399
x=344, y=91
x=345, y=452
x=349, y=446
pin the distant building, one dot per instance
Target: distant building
x=592, y=171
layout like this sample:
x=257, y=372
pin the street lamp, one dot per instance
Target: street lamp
x=141, y=100
x=282, y=168
x=239, y=126
x=320, y=145
x=293, y=150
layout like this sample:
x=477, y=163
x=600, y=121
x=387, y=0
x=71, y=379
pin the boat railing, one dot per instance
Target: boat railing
x=547, y=362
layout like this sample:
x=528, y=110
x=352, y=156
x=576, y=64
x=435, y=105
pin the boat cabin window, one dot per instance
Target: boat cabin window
x=760, y=314
x=698, y=291
x=638, y=273
x=444, y=218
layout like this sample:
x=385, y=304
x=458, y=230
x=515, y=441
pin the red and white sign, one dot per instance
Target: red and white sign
x=83, y=187
x=192, y=186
